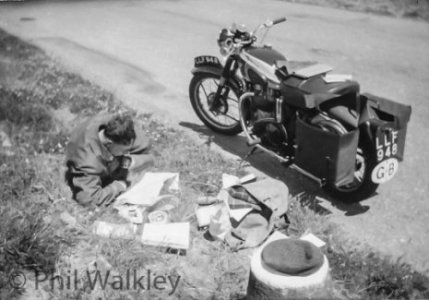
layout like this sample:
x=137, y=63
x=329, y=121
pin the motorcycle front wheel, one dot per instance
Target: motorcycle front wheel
x=224, y=116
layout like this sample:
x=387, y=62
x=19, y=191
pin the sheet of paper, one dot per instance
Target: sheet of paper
x=313, y=70
x=331, y=78
x=147, y=190
x=173, y=235
x=223, y=196
x=247, y=178
x=229, y=180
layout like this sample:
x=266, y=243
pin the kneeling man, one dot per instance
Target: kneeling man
x=99, y=156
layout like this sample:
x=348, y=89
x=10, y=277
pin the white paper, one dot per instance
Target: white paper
x=147, y=190
x=313, y=70
x=331, y=78
x=174, y=235
x=229, y=181
x=223, y=196
x=247, y=178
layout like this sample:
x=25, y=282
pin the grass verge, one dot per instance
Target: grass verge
x=39, y=103
x=412, y=9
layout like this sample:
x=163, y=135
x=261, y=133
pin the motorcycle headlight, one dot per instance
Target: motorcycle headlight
x=225, y=41
x=225, y=47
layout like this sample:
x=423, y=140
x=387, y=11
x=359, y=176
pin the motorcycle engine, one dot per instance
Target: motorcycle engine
x=262, y=121
x=272, y=134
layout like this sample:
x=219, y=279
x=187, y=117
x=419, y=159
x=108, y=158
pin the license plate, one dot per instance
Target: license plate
x=386, y=143
x=385, y=170
x=206, y=60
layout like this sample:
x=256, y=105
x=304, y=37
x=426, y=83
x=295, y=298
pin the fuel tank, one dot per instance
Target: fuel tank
x=266, y=54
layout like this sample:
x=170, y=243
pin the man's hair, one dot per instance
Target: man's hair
x=120, y=129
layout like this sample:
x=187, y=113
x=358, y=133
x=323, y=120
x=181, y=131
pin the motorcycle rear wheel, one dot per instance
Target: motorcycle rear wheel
x=225, y=119
x=362, y=186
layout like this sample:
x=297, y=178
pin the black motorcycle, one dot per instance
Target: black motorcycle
x=315, y=122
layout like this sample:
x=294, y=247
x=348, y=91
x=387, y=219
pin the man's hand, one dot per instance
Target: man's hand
x=119, y=186
x=123, y=185
x=126, y=162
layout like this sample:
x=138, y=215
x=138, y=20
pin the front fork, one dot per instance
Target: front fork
x=222, y=89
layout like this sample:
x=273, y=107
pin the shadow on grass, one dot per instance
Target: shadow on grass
x=308, y=191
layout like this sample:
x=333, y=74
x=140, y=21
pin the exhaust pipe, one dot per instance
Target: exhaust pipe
x=250, y=140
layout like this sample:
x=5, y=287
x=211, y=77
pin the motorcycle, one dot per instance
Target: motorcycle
x=313, y=121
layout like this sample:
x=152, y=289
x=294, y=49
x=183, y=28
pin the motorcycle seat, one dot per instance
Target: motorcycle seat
x=321, y=92
x=314, y=91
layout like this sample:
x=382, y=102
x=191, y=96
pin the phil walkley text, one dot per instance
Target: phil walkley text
x=130, y=280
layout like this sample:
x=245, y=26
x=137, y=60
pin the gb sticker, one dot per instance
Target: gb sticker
x=385, y=170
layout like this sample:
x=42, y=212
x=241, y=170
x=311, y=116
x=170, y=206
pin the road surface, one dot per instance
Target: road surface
x=143, y=51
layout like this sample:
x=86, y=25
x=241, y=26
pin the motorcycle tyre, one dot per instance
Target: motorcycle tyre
x=196, y=79
x=366, y=189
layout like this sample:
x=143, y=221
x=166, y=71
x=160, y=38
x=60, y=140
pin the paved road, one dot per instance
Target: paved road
x=143, y=51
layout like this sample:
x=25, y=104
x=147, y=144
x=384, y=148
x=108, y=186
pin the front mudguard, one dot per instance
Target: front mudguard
x=208, y=70
x=235, y=82
x=211, y=65
x=207, y=64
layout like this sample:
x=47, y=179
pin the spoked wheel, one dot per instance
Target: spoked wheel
x=223, y=117
x=362, y=186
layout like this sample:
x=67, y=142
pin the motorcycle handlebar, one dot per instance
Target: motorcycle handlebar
x=279, y=20
x=241, y=38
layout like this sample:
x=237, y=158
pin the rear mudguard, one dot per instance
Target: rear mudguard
x=381, y=129
x=384, y=123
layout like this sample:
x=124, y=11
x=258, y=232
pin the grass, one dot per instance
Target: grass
x=360, y=272
x=413, y=9
x=34, y=235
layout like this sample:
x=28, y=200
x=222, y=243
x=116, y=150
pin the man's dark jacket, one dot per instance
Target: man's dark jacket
x=92, y=170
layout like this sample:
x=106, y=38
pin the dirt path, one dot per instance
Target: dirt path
x=143, y=51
